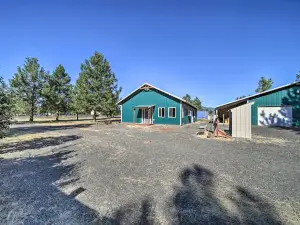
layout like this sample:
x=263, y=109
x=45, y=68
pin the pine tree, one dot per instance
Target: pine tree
x=188, y=98
x=5, y=108
x=79, y=101
x=57, y=91
x=264, y=85
x=99, y=84
x=298, y=76
x=27, y=84
x=196, y=102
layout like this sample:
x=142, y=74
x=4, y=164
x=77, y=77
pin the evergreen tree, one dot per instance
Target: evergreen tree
x=243, y=96
x=5, y=108
x=298, y=76
x=57, y=91
x=196, y=102
x=187, y=97
x=264, y=85
x=99, y=84
x=27, y=84
x=79, y=103
x=19, y=106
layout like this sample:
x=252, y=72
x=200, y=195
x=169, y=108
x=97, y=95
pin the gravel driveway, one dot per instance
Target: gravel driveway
x=124, y=174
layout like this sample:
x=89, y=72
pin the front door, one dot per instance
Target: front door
x=146, y=116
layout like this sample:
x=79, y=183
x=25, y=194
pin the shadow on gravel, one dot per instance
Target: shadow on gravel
x=134, y=213
x=196, y=202
x=36, y=143
x=34, y=129
x=30, y=194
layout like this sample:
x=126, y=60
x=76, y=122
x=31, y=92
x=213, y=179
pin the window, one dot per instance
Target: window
x=161, y=112
x=172, y=112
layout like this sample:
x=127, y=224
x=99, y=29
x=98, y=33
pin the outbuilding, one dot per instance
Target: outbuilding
x=151, y=105
x=276, y=107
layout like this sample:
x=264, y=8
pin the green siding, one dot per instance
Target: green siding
x=151, y=97
x=285, y=97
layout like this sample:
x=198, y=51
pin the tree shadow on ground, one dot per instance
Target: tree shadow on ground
x=134, y=213
x=31, y=191
x=34, y=129
x=195, y=202
x=31, y=194
x=36, y=143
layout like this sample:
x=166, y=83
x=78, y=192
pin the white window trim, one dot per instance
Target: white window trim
x=169, y=112
x=164, y=113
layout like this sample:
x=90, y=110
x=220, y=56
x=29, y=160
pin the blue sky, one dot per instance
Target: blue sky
x=216, y=50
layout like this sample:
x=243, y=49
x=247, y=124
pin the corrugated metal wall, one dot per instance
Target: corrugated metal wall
x=286, y=97
x=240, y=121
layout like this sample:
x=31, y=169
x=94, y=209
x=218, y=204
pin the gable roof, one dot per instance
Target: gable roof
x=167, y=93
x=259, y=94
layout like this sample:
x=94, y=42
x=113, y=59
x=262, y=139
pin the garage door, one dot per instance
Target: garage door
x=275, y=116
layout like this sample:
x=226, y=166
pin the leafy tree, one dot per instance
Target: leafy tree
x=5, y=108
x=57, y=91
x=196, y=102
x=298, y=76
x=27, y=84
x=187, y=97
x=99, y=84
x=264, y=85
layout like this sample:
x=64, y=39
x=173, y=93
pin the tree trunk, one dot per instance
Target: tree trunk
x=31, y=112
x=77, y=117
x=57, y=116
x=94, y=117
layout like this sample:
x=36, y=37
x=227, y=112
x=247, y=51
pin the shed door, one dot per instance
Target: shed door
x=275, y=116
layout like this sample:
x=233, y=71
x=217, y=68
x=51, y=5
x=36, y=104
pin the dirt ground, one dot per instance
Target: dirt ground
x=85, y=173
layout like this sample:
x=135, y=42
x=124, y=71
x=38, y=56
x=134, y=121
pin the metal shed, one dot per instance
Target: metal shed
x=240, y=121
x=276, y=107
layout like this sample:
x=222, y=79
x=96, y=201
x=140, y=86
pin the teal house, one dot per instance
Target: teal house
x=276, y=107
x=151, y=105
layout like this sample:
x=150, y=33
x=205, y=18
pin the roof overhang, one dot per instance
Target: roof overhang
x=143, y=106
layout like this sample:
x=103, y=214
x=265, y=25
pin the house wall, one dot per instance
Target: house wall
x=185, y=110
x=286, y=97
x=151, y=97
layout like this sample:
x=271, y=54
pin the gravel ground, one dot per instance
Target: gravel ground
x=125, y=174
